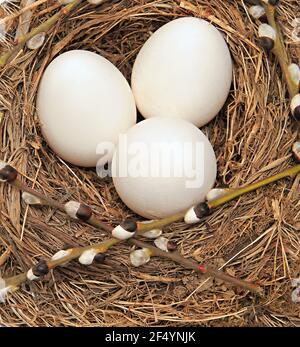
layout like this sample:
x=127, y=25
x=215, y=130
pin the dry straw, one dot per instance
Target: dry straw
x=255, y=236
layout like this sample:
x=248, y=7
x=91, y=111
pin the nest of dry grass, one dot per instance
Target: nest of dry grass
x=258, y=235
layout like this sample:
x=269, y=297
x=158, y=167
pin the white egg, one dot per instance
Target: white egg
x=163, y=166
x=184, y=70
x=84, y=102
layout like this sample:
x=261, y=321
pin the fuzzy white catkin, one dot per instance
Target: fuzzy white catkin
x=191, y=217
x=295, y=282
x=215, y=193
x=296, y=150
x=162, y=243
x=87, y=257
x=257, y=11
x=4, y=290
x=296, y=295
x=31, y=276
x=71, y=208
x=61, y=254
x=2, y=164
x=3, y=294
x=152, y=234
x=140, y=257
x=30, y=199
x=294, y=71
x=36, y=41
x=265, y=30
x=295, y=102
x=2, y=32
x=295, y=22
x=120, y=233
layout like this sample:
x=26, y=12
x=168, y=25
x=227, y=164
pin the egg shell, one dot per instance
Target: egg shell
x=155, y=182
x=184, y=70
x=84, y=101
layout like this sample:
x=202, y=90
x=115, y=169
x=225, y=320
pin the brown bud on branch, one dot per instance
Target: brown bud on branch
x=40, y=269
x=78, y=211
x=295, y=106
x=296, y=151
x=195, y=213
x=125, y=230
x=7, y=173
x=267, y=36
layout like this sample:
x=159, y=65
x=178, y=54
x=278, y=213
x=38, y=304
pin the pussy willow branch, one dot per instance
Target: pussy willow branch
x=44, y=27
x=158, y=224
x=202, y=268
x=292, y=172
x=280, y=52
x=74, y=253
x=15, y=281
x=279, y=49
x=45, y=200
x=102, y=247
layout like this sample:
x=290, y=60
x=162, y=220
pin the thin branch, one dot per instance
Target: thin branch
x=100, y=248
x=71, y=254
x=202, y=268
x=45, y=200
x=232, y=194
x=84, y=213
x=279, y=49
x=44, y=27
x=159, y=224
x=22, y=10
x=9, y=175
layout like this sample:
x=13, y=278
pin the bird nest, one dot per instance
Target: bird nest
x=255, y=237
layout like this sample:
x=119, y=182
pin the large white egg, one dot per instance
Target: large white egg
x=84, y=102
x=184, y=70
x=163, y=166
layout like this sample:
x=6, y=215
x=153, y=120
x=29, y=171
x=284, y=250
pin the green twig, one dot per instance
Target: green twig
x=232, y=194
